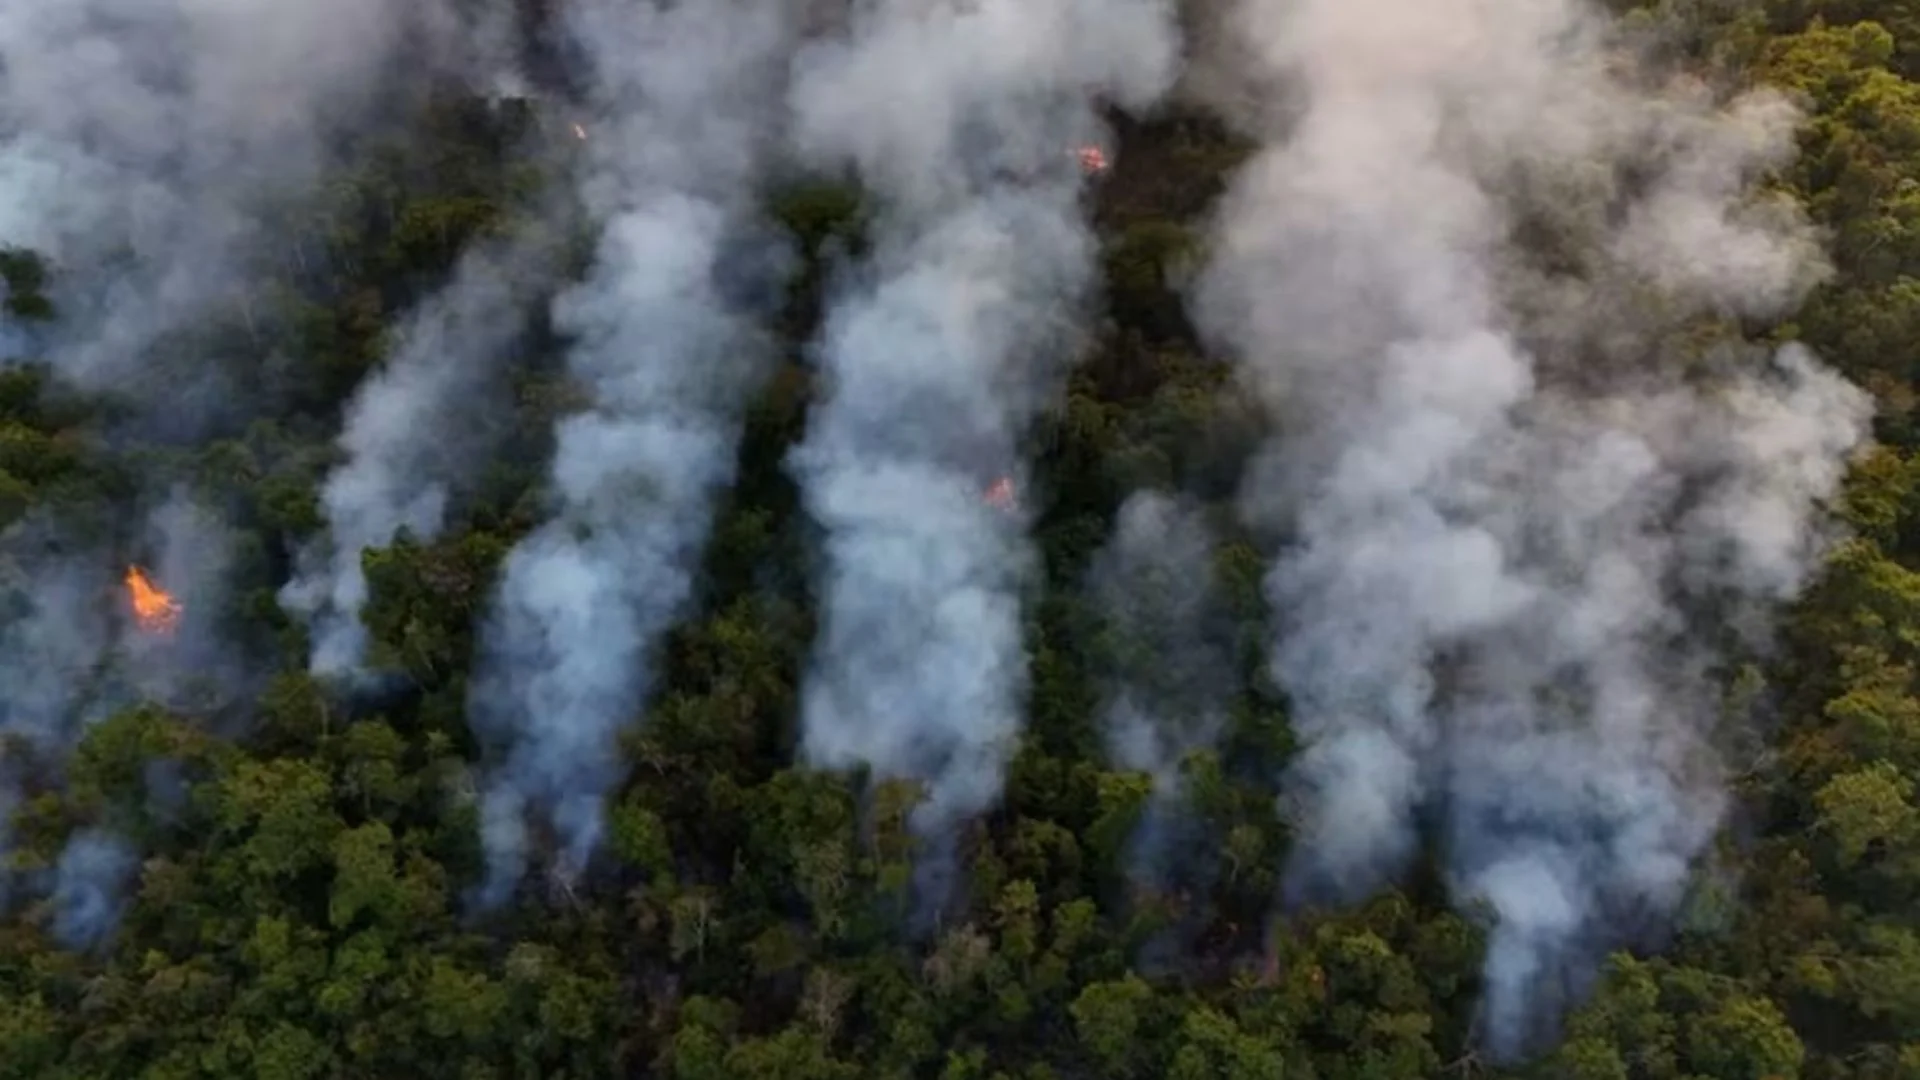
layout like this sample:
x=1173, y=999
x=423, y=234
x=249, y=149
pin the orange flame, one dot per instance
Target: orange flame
x=153, y=609
x=999, y=494
x=1093, y=160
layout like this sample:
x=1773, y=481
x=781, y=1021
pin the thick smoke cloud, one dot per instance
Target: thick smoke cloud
x=1517, y=516
x=148, y=149
x=669, y=357
x=414, y=431
x=1167, y=660
x=963, y=123
x=139, y=137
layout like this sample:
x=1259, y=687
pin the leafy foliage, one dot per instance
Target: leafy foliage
x=300, y=911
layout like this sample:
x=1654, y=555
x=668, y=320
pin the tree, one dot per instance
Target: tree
x=1107, y=1017
x=1746, y=1038
x=1868, y=807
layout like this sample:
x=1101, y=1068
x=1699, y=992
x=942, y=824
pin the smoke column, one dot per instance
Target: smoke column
x=68, y=660
x=92, y=874
x=191, y=546
x=1167, y=662
x=52, y=645
x=16, y=340
x=136, y=134
x=413, y=431
x=1516, y=516
x=963, y=124
x=142, y=143
x=681, y=94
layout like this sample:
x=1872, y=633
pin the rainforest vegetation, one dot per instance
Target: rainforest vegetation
x=299, y=903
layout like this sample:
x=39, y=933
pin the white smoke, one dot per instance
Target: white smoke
x=54, y=633
x=55, y=627
x=1516, y=516
x=143, y=146
x=413, y=431
x=142, y=143
x=1167, y=665
x=681, y=96
x=71, y=653
x=16, y=337
x=193, y=666
x=89, y=883
x=963, y=123
x=138, y=139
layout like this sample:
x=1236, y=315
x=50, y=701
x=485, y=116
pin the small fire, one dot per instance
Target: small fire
x=1093, y=160
x=579, y=132
x=999, y=494
x=156, y=612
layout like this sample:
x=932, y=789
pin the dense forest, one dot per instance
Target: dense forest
x=713, y=539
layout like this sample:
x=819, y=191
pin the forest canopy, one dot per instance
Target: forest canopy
x=1022, y=540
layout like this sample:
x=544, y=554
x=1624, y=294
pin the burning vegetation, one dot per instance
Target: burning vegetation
x=154, y=608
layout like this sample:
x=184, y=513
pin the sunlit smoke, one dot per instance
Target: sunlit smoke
x=143, y=145
x=1515, y=509
x=664, y=342
x=415, y=431
x=936, y=358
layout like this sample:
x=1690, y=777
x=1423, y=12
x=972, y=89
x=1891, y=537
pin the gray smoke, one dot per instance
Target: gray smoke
x=91, y=877
x=681, y=97
x=144, y=146
x=71, y=653
x=143, y=141
x=1519, y=516
x=55, y=628
x=1166, y=661
x=138, y=139
x=414, y=431
x=16, y=336
x=54, y=625
x=963, y=124
x=192, y=667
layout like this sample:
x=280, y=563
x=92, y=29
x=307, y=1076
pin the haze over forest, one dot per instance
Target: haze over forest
x=990, y=540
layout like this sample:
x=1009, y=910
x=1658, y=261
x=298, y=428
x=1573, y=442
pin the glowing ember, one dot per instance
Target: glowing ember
x=1000, y=494
x=1092, y=159
x=579, y=132
x=156, y=612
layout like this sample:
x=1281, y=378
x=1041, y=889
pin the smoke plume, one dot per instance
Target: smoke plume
x=16, y=337
x=90, y=879
x=1167, y=660
x=148, y=148
x=1519, y=514
x=139, y=138
x=963, y=123
x=55, y=629
x=192, y=666
x=413, y=432
x=666, y=350
x=72, y=653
